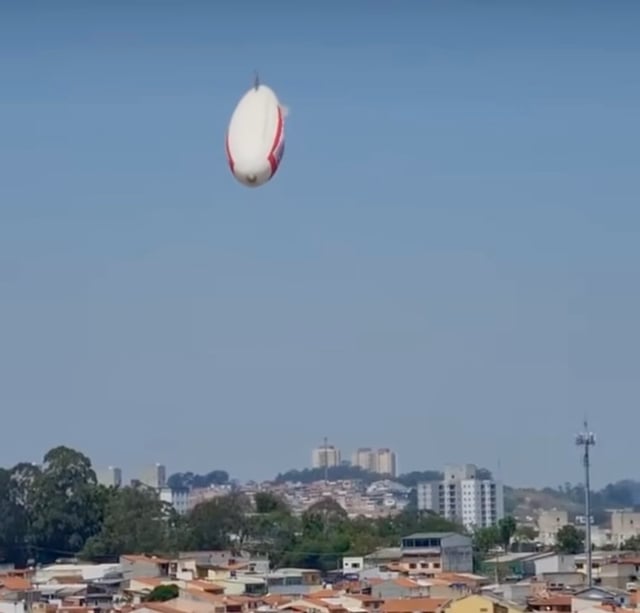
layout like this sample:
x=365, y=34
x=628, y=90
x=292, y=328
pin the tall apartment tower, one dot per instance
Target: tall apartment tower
x=155, y=476
x=462, y=497
x=365, y=458
x=110, y=477
x=386, y=462
x=325, y=456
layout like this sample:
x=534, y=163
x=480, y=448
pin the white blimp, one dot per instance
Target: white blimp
x=255, y=137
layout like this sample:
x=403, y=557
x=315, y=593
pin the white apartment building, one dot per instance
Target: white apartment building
x=386, y=462
x=462, y=497
x=155, y=476
x=110, y=477
x=365, y=458
x=381, y=461
x=325, y=455
x=178, y=499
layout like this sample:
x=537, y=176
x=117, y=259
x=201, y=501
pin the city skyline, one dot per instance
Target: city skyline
x=441, y=266
x=156, y=474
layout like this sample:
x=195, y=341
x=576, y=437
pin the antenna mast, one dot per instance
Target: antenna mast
x=586, y=440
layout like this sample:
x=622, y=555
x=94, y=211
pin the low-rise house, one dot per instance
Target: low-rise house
x=324, y=605
x=382, y=557
x=293, y=581
x=144, y=566
x=430, y=553
x=476, y=603
x=588, y=597
x=563, y=580
x=413, y=605
x=218, y=564
x=244, y=584
x=402, y=587
x=560, y=603
x=14, y=588
x=554, y=563
x=352, y=565
x=140, y=587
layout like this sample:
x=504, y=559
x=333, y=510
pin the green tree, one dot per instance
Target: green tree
x=67, y=505
x=162, y=593
x=191, y=480
x=414, y=477
x=220, y=522
x=632, y=544
x=335, y=473
x=323, y=516
x=273, y=528
x=526, y=533
x=13, y=521
x=408, y=522
x=268, y=502
x=23, y=478
x=524, y=536
x=506, y=529
x=569, y=540
x=485, y=539
x=364, y=536
x=135, y=521
x=323, y=536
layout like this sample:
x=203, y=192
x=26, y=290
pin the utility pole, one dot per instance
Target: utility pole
x=586, y=440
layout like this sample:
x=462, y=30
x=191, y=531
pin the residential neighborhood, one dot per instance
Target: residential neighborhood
x=425, y=573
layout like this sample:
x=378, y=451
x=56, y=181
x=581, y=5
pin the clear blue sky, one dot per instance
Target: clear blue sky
x=445, y=264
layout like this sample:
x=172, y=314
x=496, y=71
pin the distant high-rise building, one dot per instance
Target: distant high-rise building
x=109, y=477
x=177, y=498
x=381, y=461
x=385, y=462
x=462, y=497
x=365, y=458
x=325, y=456
x=155, y=477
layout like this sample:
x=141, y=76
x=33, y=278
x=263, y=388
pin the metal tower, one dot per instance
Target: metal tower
x=586, y=440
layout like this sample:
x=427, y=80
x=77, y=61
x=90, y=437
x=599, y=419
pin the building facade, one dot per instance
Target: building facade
x=365, y=458
x=382, y=461
x=386, y=462
x=177, y=498
x=432, y=553
x=110, y=477
x=155, y=477
x=325, y=456
x=462, y=497
x=624, y=525
x=549, y=524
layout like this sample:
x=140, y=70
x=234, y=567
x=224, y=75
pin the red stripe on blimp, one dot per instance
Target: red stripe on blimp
x=273, y=161
x=229, y=158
